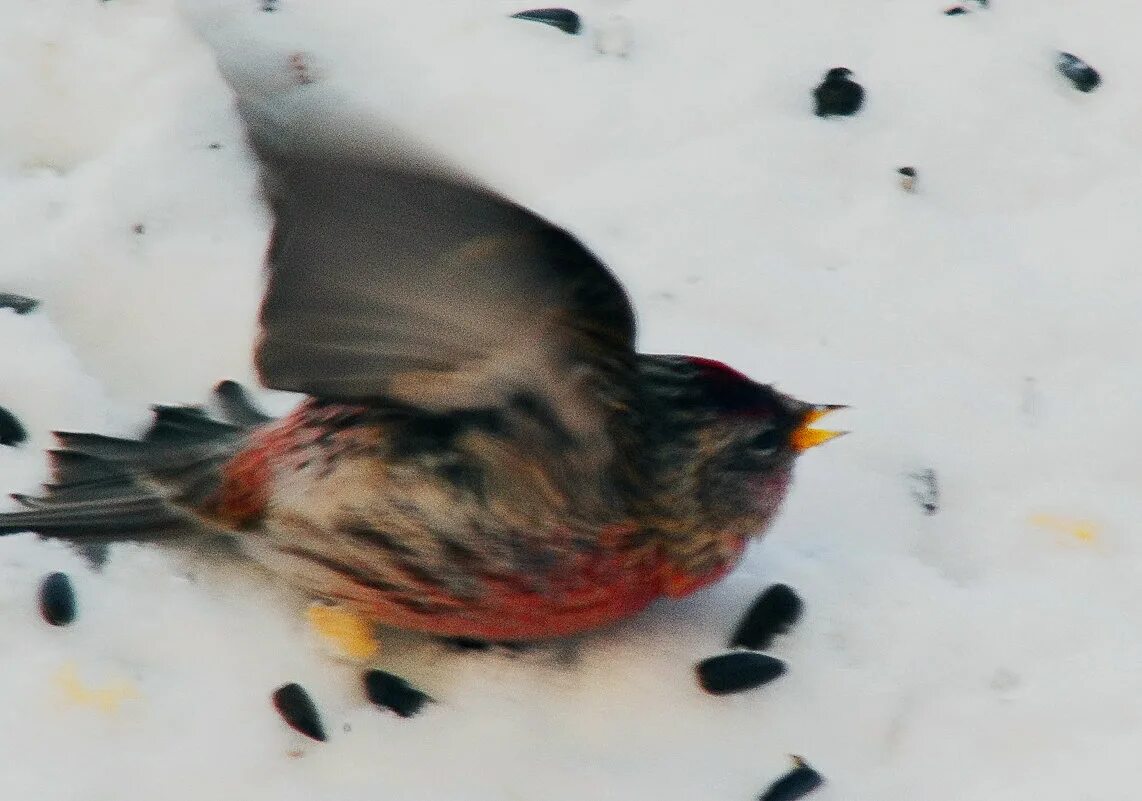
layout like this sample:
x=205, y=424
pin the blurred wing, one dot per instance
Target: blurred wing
x=393, y=279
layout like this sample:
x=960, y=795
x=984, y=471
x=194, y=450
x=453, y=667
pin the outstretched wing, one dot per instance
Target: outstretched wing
x=392, y=278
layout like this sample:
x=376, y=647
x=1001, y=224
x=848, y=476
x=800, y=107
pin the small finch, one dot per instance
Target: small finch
x=482, y=452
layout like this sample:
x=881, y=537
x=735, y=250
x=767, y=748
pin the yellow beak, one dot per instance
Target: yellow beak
x=805, y=437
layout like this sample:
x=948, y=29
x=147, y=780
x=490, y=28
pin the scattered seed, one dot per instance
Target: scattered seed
x=20, y=304
x=11, y=432
x=57, y=599
x=215, y=146
x=907, y=179
x=1082, y=75
x=774, y=612
x=838, y=94
x=394, y=693
x=737, y=672
x=955, y=11
x=564, y=19
x=926, y=490
x=298, y=710
x=139, y=228
x=795, y=784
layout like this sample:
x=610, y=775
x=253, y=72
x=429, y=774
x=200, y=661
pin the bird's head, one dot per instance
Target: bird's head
x=729, y=448
x=750, y=435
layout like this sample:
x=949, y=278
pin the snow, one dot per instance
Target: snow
x=985, y=327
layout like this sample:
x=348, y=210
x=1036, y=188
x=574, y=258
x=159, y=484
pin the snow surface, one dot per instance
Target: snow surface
x=985, y=327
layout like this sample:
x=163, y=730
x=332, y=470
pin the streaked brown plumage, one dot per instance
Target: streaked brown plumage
x=483, y=453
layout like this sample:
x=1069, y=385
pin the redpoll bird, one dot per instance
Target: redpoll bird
x=483, y=453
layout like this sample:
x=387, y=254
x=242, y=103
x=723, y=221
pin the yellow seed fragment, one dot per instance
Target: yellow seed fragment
x=1082, y=530
x=106, y=699
x=349, y=632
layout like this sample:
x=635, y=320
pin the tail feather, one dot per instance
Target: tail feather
x=177, y=422
x=237, y=406
x=57, y=496
x=146, y=454
x=72, y=469
x=106, y=489
x=104, y=520
x=28, y=501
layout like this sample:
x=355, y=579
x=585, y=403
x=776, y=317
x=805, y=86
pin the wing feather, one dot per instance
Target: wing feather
x=391, y=277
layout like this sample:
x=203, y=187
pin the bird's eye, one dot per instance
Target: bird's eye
x=767, y=441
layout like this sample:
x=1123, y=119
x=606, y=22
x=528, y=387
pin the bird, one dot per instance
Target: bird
x=481, y=451
x=838, y=94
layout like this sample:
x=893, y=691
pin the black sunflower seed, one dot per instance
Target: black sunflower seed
x=564, y=19
x=298, y=710
x=737, y=672
x=21, y=304
x=838, y=94
x=57, y=599
x=11, y=432
x=774, y=612
x=907, y=178
x=926, y=490
x=795, y=784
x=955, y=11
x=394, y=693
x=1082, y=75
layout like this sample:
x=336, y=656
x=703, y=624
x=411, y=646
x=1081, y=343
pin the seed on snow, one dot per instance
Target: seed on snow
x=737, y=672
x=1082, y=75
x=21, y=304
x=926, y=490
x=394, y=693
x=795, y=784
x=57, y=599
x=838, y=94
x=298, y=710
x=11, y=431
x=907, y=178
x=564, y=19
x=774, y=612
x=955, y=11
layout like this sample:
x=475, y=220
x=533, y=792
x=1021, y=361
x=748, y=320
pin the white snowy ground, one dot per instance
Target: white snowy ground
x=986, y=327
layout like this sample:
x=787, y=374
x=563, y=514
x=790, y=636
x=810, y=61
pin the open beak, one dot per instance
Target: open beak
x=804, y=437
